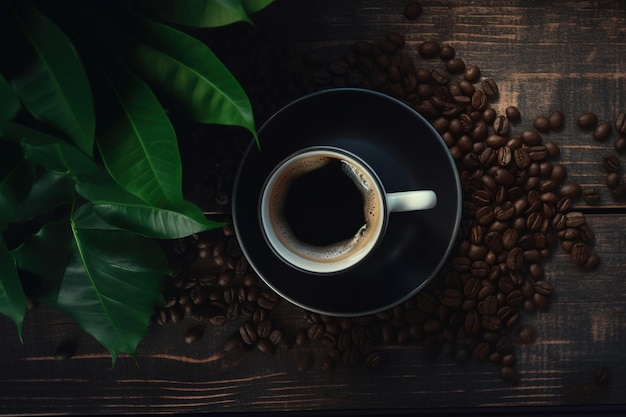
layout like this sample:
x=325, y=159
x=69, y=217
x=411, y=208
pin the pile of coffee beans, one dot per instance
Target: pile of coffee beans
x=517, y=208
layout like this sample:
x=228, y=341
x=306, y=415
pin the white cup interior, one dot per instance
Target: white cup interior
x=334, y=257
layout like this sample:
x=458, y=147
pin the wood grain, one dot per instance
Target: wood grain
x=544, y=55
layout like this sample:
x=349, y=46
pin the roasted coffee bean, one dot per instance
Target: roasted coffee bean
x=620, y=144
x=501, y=125
x=490, y=87
x=556, y=120
x=580, y=253
x=612, y=180
x=558, y=173
x=193, y=334
x=429, y=49
x=521, y=157
x=592, y=262
x=440, y=75
x=267, y=300
x=413, y=10
x=587, y=120
x=531, y=137
x=505, y=155
x=574, y=219
x=492, y=323
x=316, y=331
x=611, y=163
x=513, y=113
x=571, y=190
x=494, y=242
x=479, y=100
x=510, y=238
x=515, y=298
x=485, y=216
x=542, y=124
x=563, y=205
x=264, y=328
x=537, y=152
x=534, y=221
x=553, y=150
x=453, y=65
x=602, y=131
x=591, y=195
x=509, y=374
x=248, y=333
x=472, y=73
x=515, y=258
x=265, y=346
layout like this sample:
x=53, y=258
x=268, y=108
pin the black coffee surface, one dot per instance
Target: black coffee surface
x=324, y=206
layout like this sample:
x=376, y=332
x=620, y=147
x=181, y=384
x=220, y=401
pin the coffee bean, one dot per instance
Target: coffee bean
x=316, y=331
x=501, y=125
x=472, y=73
x=267, y=300
x=574, y=219
x=620, y=144
x=542, y=124
x=453, y=65
x=440, y=75
x=530, y=137
x=490, y=87
x=587, y=120
x=611, y=163
x=571, y=190
x=537, y=152
x=612, y=180
x=193, y=334
x=592, y=262
x=429, y=49
x=248, y=333
x=591, y=195
x=492, y=323
x=602, y=131
x=580, y=253
x=413, y=10
x=556, y=120
x=513, y=113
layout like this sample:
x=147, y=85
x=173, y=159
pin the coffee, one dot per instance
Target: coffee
x=324, y=206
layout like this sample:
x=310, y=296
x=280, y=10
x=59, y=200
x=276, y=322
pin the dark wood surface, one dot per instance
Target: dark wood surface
x=568, y=55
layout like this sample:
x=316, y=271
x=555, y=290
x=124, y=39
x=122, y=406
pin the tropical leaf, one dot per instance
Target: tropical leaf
x=187, y=72
x=159, y=223
x=9, y=102
x=47, y=73
x=49, y=191
x=123, y=210
x=111, y=282
x=204, y=14
x=135, y=137
x=12, y=298
x=51, y=152
x=253, y=6
x=16, y=178
x=45, y=256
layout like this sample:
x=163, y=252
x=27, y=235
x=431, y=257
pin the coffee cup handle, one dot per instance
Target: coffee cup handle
x=411, y=200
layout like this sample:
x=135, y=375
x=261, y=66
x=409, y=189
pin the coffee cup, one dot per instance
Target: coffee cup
x=323, y=209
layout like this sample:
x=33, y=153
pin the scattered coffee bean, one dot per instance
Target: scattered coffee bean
x=556, y=120
x=611, y=163
x=413, y=10
x=193, y=334
x=587, y=120
x=429, y=49
x=542, y=124
x=602, y=131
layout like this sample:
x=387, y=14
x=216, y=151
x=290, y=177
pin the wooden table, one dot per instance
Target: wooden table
x=545, y=55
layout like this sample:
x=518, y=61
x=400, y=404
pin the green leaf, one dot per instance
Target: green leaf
x=253, y=6
x=110, y=280
x=16, y=179
x=123, y=210
x=136, y=139
x=47, y=73
x=49, y=191
x=160, y=223
x=204, y=14
x=45, y=255
x=9, y=102
x=13, y=301
x=51, y=152
x=188, y=73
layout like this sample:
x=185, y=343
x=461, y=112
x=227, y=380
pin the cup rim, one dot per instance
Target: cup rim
x=310, y=266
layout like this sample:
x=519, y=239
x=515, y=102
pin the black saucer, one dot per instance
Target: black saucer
x=406, y=153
